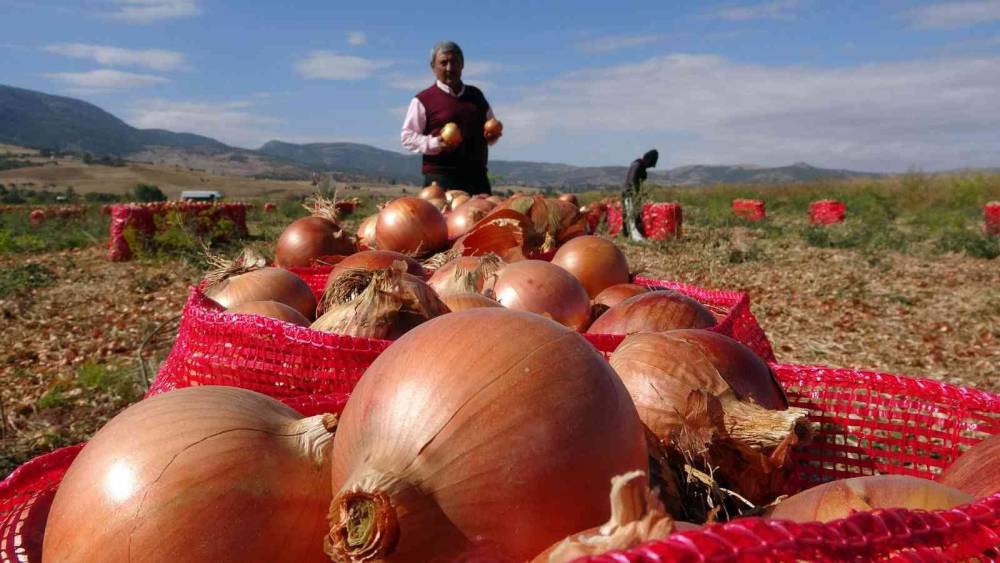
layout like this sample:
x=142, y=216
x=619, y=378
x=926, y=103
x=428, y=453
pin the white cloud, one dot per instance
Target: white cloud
x=609, y=43
x=356, y=38
x=156, y=59
x=776, y=10
x=334, y=66
x=231, y=122
x=104, y=80
x=879, y=116
x=149, y=11
x=954, y=14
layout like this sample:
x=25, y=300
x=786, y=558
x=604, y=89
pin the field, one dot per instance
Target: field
x=907, y=284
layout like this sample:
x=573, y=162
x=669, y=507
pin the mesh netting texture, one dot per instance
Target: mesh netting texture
x=141, y=219
x=749, y=209
x=827, y=212
x=661, y=221
x=991, y=218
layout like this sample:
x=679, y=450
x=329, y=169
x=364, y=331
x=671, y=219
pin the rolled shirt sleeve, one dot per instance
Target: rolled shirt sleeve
x=412, y=135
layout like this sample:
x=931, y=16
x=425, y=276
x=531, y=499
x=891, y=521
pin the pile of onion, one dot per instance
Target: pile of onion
x=412, y=226
x=840, y=498
x=197, y=474
x=311, y=240
x=545, y=289
x=239, y=283
x=975, y=471
x=596, y=262
x=718, y=418
x=453, y=440
x=653, y=311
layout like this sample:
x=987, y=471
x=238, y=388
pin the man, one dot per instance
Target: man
x=631, y=198
x=461, y=166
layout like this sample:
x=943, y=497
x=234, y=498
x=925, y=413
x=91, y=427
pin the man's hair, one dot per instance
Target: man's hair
x=446, y=47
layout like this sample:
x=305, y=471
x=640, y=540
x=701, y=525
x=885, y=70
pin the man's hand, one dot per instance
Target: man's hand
x=492, y=139
x=445, y=147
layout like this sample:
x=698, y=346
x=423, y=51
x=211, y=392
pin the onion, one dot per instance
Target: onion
x=975, y=471
x=197, y=474
x=841, y=498
x=486, y=426
x=566, y=219
x=433, y=191
x=465, y=217
x=495, y=199
x=309, y=240
x=540, y=287
x=615, y=294
x=265, y=284
x=376, y=260
x=412, y=226
x=654, y=311
x=272, y=309
x=492, y=129
x=450, y=195
x=466, y=274
x=595, y=261
x=504, y=232
x=462, y=301
x=570, y=198
x=713, y=406
x=457, y=201
x=439, y=203
x=451, y=134
x=366, y=232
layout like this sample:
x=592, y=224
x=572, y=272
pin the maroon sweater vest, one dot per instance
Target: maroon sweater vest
x=468, y=111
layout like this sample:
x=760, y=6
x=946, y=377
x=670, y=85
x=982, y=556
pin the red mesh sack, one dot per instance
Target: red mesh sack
x=991, y=218
x=595, y=212
x=315, y=277
x=661, y=221
x=123, y=216
x=142, y=219
x=749, y=209
x=615, y=218
x=826, y=212
x=26, y=494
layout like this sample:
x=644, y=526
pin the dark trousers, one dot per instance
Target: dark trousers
x=473, y=183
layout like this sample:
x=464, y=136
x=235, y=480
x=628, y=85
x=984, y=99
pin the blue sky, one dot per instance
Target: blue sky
x=876, y=85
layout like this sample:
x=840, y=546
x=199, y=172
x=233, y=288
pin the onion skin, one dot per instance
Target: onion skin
x=840, y=498
x=462, y=301
x=310, y=239
x=654, y=311
x=366, y=232
x=411, y=226
x=433, y=191
x=975, y=471
x=265, y=284
x=545, y=289
x=272, y=309
x=595, y=261
x=376, y=260
x=201, y=474
x=462, y=422
x=442, y=279
x=570, y=198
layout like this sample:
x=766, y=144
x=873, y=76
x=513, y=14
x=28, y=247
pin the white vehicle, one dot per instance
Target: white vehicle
x=201, y=195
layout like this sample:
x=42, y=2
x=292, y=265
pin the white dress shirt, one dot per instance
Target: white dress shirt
x=412, y=135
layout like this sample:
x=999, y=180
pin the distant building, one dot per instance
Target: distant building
x=201, y=195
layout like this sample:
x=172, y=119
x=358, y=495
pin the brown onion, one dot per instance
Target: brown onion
x=504, y=232
x=595, y=261
x=450, y=195
x=492, y=129
x=615, y=294
x=465, y=274
x=975, y=471
x=433, y=191
x=412, y=226
x=570, y=198
x=495, y=199
x=461, y=220
x=457, y=201
x=272, y=309
x=197, y=474
x=840, y=498
x=543, y=288
x=462, y=301
x=451, y=134
x=655, y=311
x=309, y=240
x=708, y=398
x=376, y=260
x=265, y=284
x=484, y=426
x=366, y=232
x=439, y=203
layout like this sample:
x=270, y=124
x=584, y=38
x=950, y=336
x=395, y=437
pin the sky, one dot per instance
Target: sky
x=876, y=85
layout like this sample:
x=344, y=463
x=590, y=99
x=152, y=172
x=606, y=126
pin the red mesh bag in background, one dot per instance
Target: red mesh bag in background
x=749, y=209
x=26, y=494
x=595, y=212
x=826, y=212
x=661, y=221
x=991, y=218
x=142, y=219
x=615, y=218
x=138, y=218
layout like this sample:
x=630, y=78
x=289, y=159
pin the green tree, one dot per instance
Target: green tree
x=147, y=192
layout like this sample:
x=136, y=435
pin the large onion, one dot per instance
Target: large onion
x=570, y=198
x=716, y=407
x=838, y=499
x=366, y=232
x=615, y=294
x=975, y=471
x=376, y=260
x=540, y=287
x=504, y=232
x=433, y=191
x=486, y=426
x=466, y=274
x=309, y=240
x=202, y=474
x=462, y=301
x=265, y=284
x=462, y=219
x=595, y=261
x=654, y=311
x=272, y=309
x=412, y=226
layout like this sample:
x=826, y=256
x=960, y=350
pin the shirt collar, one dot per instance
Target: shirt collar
x=447, y=89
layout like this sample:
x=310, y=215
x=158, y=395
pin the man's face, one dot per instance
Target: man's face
x=448, y=68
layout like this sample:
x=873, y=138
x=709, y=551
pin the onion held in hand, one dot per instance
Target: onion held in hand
x=508, y=434
x=265, y=284
x=545, y=289
x=975, y=471
x=655, y=311
x=839, y=499
x=412, y=226
x=451, y=134
x=202, y=474
x=595, y=261
x=271, y=309
x=310, y=239
x=492, y=129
